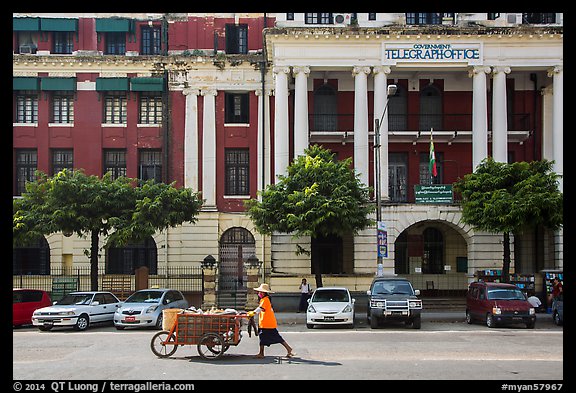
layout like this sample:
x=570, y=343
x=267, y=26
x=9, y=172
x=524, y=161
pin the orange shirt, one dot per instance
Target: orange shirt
x=266, y=318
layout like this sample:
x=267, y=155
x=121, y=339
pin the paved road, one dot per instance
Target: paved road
x=446, y=350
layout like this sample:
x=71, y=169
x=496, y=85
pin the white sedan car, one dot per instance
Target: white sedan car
x=78, y=310
x=330, y=306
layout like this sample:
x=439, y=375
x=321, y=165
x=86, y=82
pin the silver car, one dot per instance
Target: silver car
x=144, y=308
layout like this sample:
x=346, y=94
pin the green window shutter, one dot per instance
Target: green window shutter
x=112, y=25
x=147, y=84
x=26, y=24
x=24, y=83
x=58, y=24
x=106, y=84
x=64, y=84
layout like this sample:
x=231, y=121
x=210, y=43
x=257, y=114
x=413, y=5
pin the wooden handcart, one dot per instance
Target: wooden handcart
x=213, y=334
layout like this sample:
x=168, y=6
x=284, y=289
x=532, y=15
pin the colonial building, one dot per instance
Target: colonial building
x=222, y=103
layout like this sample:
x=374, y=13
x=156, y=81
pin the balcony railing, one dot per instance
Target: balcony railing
x=413, y=122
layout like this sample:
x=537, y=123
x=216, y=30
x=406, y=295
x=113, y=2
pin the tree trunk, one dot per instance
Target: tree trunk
x=318, y=273
x=94, y=260
x=506, y=264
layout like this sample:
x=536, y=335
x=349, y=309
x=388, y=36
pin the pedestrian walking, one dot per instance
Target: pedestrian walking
x=267, y=331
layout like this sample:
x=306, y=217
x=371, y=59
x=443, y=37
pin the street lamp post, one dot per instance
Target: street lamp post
x=390, y=92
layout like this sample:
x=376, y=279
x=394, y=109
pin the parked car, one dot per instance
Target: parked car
x=330, y=306
x=144, y=308
x=498, y=304
x=25, y=302
x=78, y=310
x=558, y=310
x=393, y=299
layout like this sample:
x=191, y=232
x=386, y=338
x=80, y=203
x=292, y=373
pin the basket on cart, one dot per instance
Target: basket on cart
x=213, y=334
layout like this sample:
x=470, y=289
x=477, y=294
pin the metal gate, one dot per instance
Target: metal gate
x=236, y=246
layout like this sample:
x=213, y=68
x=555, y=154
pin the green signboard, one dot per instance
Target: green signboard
x=433, y=193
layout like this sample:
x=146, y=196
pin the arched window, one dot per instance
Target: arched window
x=325, y=109
x=430, y=108
x=126, y=259
x=433, y=258
x=33, y=258
x=398, y=110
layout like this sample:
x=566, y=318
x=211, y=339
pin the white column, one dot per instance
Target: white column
x=479, y=115
x=191, y=139
x=263, y=139
x=209, y=150
x=557, y=74
x=301, y=110
x=499, y=115
x=380, y=102
x=281, y=138
x=361, y=122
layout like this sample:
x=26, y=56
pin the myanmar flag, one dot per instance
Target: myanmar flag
x=432, y=164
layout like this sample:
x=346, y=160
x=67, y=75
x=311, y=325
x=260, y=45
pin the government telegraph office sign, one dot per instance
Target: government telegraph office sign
x=433, y=52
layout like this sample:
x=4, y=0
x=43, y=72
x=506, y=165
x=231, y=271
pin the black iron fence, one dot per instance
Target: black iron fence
x=188, y=279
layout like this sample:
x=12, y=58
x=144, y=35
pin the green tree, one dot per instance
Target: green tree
x=510, y=198
x=73, y=202
x=319, y=196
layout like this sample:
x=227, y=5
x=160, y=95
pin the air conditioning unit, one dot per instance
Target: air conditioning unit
x=511, y=19
x=342, y=19
x=27, y=49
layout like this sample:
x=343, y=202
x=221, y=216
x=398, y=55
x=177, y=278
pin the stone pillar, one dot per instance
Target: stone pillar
x=281, y=129
x=209, y=150
x=253, y=282
x=301, y=110
x=191, y=139
x=479, y=115
x=557, y=73
x=499, y=115
x=209, y=295
x=380, y=103
x=361, y=122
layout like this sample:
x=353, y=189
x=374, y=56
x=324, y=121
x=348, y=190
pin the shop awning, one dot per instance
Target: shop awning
x=58, y=24
x=147, y=84
x=25, y=24
x=60, y=84
x=24, y=83
x=113, y=25
x=107, y=84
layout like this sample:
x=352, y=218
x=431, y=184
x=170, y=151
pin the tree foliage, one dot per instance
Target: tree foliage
x=73, y=202
x=510, y=198
x=319, y=196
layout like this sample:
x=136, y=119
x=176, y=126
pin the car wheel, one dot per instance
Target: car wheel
x=468, y=317
x=159, y=322
x=531, y=324
x=373, y=322
x=490, y=321
x=556, y=318
x=417, y=322
x=82, y=323
x=310, y=325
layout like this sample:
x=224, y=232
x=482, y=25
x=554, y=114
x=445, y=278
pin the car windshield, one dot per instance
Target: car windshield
x=505, y=294
x=392, y=287
x=79, y=298
x=145, y=297
x=330, y=295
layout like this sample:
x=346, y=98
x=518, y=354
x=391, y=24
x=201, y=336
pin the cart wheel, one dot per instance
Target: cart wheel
x=163, y=344
x=211, y=346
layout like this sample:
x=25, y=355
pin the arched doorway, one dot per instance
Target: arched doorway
x=128, y=258
x=33, y=258
x=236, y=246
x=434, y=256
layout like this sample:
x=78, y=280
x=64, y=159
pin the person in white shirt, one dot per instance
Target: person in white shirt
x=305, y=291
